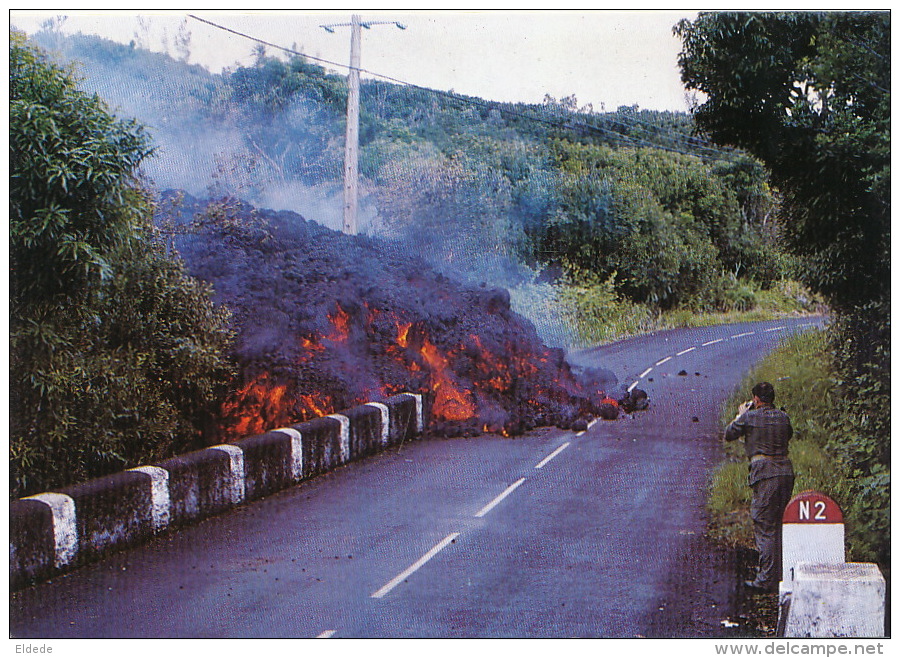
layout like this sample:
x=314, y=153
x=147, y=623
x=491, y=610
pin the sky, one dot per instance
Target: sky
x=605, y=58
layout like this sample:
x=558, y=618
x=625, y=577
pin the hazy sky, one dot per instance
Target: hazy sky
x=606, y=58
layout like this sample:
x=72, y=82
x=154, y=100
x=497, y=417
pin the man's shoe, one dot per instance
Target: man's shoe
x=757, y=588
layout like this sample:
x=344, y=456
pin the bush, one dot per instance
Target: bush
x=598, y=314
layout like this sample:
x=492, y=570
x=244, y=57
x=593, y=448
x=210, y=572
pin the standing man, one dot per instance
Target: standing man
x=766, y=432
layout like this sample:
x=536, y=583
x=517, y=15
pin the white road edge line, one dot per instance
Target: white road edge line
x=325, y=634
x=491, y=505
x=712, y=342
x=645, y=373
x=553, y=454
x=690, y=349
x=662, y=361
x=415, y=566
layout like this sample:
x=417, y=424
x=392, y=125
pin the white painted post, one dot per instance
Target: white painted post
x=159, y=493
x=384, y=420
x=296, y=452
x=236, y=458
x=420, y=421
x=65, y=532
x=345, y=436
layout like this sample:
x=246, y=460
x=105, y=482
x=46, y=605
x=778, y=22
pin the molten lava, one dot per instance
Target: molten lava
x=340, y=320
x=315, y=405
x=257, y=407
x=450, y=402
x=332, y=321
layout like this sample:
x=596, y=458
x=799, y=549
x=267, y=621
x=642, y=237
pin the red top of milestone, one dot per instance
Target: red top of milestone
x=812, y=507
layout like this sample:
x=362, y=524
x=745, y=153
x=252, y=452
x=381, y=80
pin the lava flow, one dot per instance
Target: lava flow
x=325, y=321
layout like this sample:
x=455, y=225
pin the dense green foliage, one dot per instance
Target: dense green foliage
x=670, y=227
x=116, y=356
x=809, y=94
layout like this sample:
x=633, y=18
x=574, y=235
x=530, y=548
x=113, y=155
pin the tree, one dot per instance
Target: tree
x=117, y=357
x=808, y=94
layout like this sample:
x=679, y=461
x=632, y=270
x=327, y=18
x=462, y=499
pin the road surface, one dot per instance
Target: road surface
x=554, y=534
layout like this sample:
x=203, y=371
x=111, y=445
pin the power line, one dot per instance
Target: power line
x=628, y=140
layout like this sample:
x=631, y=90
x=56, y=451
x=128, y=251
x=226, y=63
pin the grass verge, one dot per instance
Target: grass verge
x=598, y=315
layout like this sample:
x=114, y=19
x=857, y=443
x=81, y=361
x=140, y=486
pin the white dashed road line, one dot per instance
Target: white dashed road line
x=645, y=373
x=491, y=505
x=748, y=333
x=776, y=329
x=325, y=634
x=712, y=342
x=418, y=564
x=662, y=361
x=553, y=454
x=690, y=349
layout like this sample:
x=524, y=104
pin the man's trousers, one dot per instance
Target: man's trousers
x=772, y=483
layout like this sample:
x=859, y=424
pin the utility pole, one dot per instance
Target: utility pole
x=351, y=142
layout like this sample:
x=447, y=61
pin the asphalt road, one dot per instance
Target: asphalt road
x=554, y=534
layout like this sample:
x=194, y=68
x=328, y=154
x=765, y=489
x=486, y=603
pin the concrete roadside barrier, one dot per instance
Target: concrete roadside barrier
x=321, y=443
x=268, y=463
x=200, y=485
x=366, y=431
x=55, y=531
x=38, y=546
x=112, y=511
x=405, y=417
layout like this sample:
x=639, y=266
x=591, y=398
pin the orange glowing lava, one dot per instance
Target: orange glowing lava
x=403, y=334
x=340, y=320
x=315, y=405
x=256, y=408
x=450, y=403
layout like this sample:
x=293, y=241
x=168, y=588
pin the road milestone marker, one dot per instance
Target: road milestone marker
x=812, y=530
x=821, y=594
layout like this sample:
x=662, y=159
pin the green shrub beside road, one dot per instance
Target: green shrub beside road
x=598, y=314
